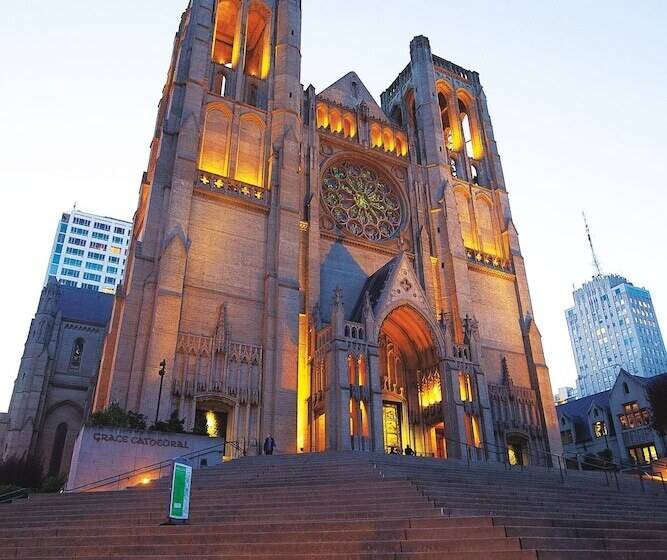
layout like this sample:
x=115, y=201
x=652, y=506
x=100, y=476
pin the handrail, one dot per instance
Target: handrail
x=18, y=493
x=166, y=462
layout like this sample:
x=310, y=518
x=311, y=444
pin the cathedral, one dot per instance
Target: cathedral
x=339, y=274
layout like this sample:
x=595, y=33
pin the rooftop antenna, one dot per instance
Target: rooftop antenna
x=596, y=262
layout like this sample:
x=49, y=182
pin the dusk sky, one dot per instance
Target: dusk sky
x=576, y=92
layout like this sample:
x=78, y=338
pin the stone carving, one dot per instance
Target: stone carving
x=361, y=202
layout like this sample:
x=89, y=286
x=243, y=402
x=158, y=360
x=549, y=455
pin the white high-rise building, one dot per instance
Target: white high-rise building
x=613, y=325
x=89, y=251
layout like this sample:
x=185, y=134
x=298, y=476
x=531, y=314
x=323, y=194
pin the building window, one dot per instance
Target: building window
x=72, y=262
x=465, y=387
x=109, y=280
x=102, y=226
x=626, y=390
x=77, y=351
x=112, y=270
x=77, y=241
x=92, y=277
x=599, y=429
x=79, y=231
x=98, y=246
x=225, y=31
x=96, y=256
x=633, y=416
x=643, y=455
x=117, y=239
x=566, y=437
x=65, y=282
x=81, y=222
x=74, y=251
x=119, y=230
x=115, y=250
x=114, y=260
x=257, y=51
x=70, y=272
x=100, y=235
x=94, y=266
x=86, y=286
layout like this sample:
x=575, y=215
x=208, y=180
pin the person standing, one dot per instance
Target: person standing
x=269, y=445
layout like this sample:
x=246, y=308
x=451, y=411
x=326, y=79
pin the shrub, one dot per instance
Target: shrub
x=115, y=416
x=53, y=484
x=25, y=472
x=174, y=424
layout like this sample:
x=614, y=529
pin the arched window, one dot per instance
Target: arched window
x=257, y=51
x=349, y=126
x=401, y=145
x=446, y=127
x=474, y=177
x=626, y=389
x=397, y=115
x=322, y=116
x=58, y=448
x=453, y=168
x=249, y=160
x=335, y=121
x=252, y=95
x=215, y=143
x=388, y=140
x=376, y=135
x=485, y=226
x=225, y=31
x=77, y=352
x=463, y=206
x=465, y=128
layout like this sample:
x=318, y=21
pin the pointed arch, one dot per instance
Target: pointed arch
x=451, y=132
x=486, y=225
x=464, y=209
x=250, y=155
x=225, y=35
x=214, y=155
x=470, y=126
x=258, y=53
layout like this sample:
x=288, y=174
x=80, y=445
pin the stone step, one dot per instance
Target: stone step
x=223, y=548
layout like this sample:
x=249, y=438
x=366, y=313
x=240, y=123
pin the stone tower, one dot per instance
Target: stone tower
x=339, y=274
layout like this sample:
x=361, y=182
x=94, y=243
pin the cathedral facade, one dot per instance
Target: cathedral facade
x=340, y=274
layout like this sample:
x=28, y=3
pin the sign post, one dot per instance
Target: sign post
x=179, y=504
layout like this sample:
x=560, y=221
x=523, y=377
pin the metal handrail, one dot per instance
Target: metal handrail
x=117, y=478
x=18, y=493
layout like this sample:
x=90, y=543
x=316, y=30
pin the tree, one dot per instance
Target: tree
x=657, y=397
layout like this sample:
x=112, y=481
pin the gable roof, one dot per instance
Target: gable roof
x=577, y=410
x=350, y=92
x=374, y=286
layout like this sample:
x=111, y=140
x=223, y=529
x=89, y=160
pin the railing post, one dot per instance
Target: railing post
x=641, y=479
x=560, y=470
x=468, y=454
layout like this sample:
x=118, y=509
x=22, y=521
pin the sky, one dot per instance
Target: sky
x=575, y=88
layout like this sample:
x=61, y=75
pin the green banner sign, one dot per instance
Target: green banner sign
x=179, y=505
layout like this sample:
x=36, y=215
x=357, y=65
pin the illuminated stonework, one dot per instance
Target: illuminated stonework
x=361, y=202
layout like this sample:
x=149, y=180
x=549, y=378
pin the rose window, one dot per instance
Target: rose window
x=361, y=202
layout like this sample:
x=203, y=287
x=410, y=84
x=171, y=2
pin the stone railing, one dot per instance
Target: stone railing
x=454, y=69
x=491, y=261
x=215, y=183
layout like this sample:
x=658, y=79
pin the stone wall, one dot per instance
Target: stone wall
x=101, y=452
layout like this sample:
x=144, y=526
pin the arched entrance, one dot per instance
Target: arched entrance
x=412, y=396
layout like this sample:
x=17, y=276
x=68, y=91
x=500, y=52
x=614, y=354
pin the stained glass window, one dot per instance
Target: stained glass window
x=361, y=202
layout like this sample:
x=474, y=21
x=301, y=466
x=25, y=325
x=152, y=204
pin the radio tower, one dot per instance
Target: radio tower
x=596, y=263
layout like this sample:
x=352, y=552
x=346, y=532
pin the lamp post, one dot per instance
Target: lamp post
x=161, y=372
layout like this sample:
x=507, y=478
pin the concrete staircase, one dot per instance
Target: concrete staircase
x=350, y=506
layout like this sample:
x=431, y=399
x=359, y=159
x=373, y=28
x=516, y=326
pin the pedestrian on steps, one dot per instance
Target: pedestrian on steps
x=269, y=445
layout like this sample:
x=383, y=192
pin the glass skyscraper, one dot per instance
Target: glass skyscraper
x=613, y=325
x=89, y=251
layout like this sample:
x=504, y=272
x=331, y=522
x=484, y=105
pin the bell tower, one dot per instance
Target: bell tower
x=216, y=231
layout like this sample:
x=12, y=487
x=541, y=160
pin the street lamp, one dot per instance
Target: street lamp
x=161, y=372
